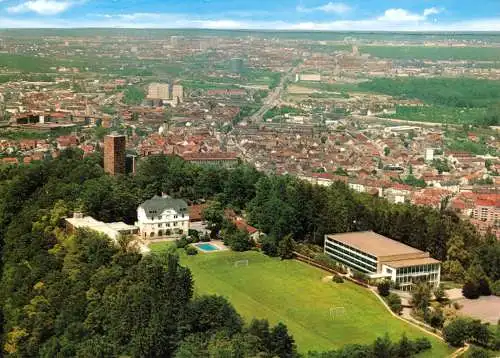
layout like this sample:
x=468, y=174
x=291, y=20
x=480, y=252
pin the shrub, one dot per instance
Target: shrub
x=286, y=247
x=337, y=279
x=434, y=317
x=182, y=242
x=394, y=302
x=470, y=290
x=195, y=234
x=479, y=333
x=440, y=294
x=422, y=344
x=477, y=352
x=269, y=246
x=327, y=261
x=483, y=287
x=456, y=332
x=496, y=338
x=360, y=276
x=495, y=288
x=190, y=250
x=205, y=238
x=239, y=241
x=384, y=288
x=405, y=347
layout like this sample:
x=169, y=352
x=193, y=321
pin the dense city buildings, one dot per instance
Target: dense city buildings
x=322, y=109
x=341, y=181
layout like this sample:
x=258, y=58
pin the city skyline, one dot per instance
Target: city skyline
x=359, y=15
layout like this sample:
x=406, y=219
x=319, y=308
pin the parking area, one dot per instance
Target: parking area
x=486, y=308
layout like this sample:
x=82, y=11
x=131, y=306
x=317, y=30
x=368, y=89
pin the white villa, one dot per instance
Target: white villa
x=163, y=216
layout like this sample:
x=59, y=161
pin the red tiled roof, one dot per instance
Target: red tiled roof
x=242, y=225
x=209, y=156
x=10, y=160
x=195, y=212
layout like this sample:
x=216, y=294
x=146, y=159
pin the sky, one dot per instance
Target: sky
x=349, y=15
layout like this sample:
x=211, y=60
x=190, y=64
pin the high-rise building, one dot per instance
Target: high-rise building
x=159, y=91
x=177, y=93
x=114, y=154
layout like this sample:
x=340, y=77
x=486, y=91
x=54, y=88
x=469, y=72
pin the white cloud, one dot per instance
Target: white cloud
x=432, y=11
x=390, y=20
x=400, y=15
x=41, y=7
x=338, y=8
x=335, y=7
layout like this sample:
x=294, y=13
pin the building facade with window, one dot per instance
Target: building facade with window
x=163, y=216
x=380, y=257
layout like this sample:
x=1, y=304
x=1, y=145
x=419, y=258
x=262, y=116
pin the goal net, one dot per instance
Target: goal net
x=241, y=263
x=336, y=312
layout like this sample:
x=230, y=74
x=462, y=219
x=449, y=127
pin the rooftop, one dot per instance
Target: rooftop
x=374, y=244
x=157, y=204
x=111, y=229
x=209, y=156
x=411, y=262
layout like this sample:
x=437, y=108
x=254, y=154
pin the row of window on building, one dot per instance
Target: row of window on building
x=366, y=263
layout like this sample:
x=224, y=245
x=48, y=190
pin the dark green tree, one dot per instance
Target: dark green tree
x=286, y=247
x=282, y=343
x=384, y=288
x=383, y=347
x=456, y=333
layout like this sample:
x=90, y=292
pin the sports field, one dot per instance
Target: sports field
x=294, y=293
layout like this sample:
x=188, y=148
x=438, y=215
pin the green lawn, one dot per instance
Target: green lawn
x=293, y=292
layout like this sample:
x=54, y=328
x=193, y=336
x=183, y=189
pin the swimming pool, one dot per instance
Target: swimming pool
x=207, y=247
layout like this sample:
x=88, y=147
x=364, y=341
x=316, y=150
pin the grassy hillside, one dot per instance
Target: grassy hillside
x=294, y=293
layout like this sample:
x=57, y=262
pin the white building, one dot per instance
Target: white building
x=429, y=154
x=381, y=257
x=163, y=216
x=113, y=230
x=312, y=77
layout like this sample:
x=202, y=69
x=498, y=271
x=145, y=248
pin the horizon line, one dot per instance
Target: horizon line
x=461, y=32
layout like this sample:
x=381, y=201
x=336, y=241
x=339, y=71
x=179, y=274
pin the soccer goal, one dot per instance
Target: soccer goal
x=241, y=263
x=336, y=312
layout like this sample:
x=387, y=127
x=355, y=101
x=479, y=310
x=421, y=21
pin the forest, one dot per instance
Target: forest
x=419, y=53
x=78, y=295
x=453, y=92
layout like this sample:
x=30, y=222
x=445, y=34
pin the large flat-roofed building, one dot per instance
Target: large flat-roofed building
x=381, y=257
x=113, y=230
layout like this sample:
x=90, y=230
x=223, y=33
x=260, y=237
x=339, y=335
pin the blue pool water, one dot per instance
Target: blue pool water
x=207, y=247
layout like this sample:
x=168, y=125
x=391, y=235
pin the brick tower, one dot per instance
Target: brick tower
x=114, y=154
